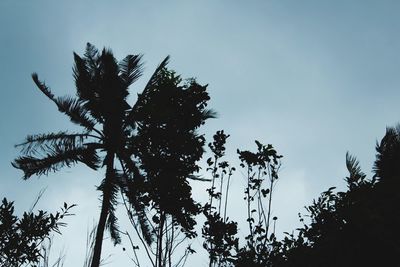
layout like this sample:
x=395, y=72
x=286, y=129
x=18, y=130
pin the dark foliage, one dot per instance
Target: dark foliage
x=151, y=149
x=358, y=227
x=101, y=109
x=262, y=169
x=154, y=142
x=167, y=145
x=218, y=231
x=21, y=238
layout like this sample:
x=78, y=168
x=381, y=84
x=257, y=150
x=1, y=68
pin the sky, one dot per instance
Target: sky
x=314, y=78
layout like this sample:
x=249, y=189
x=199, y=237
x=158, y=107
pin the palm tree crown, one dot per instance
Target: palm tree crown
x=122, y=138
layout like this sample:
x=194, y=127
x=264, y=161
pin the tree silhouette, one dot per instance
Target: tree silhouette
x=114, y=135
x=358, y=227
x=262, y=169
x=220, y=233
x=21, y=238
x=387, y=167
x=167, y=147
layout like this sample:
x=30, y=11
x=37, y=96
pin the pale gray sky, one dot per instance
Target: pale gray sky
x=314, y=78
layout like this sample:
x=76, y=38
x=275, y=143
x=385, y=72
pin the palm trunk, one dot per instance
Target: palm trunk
x=105, y=206
x=160, y=238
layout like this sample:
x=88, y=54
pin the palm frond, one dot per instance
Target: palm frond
x=154, y=77
x=112, y=226
x=91, y=56
x=110, y=187
x=108, y=64
x=353, y=166
x=152, y=81
x=37, y=142
x=386, y=165
x=139, y=212
x=209, y=114
x=87, y=81
x=83, y=78
x=145, y=228
x=131, y=68
x=70, y=106
x=57, y=156
x=75, y=109
x=42, y=86
x=112, y=221
x=132, y=189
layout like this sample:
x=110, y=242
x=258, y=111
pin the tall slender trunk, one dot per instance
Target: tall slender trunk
x=249, y=216
x=269, y=205
x=105, y=206
x=226, y=196
x=160, y=238
x=220, y=191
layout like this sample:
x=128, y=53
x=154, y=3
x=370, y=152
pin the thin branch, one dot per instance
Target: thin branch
x=41, y=192
x=130, y=216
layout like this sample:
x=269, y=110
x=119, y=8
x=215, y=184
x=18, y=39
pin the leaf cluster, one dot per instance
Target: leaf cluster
x=21, y=238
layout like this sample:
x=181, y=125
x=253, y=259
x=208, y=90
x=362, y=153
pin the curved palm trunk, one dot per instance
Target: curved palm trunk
x=105, y=206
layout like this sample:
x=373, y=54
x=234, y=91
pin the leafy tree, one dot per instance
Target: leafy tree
x=358, y=227
x=21, y=238
x=114, y=136
x=167, y=147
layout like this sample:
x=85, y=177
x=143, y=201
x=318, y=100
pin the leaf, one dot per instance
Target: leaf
x=57, y=156
x=130, y=69
x=67, y=105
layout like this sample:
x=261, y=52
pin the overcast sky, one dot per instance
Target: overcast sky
x=313, y=78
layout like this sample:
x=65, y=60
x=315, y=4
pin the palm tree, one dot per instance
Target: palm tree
x=102, y=110
x=387, y=163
